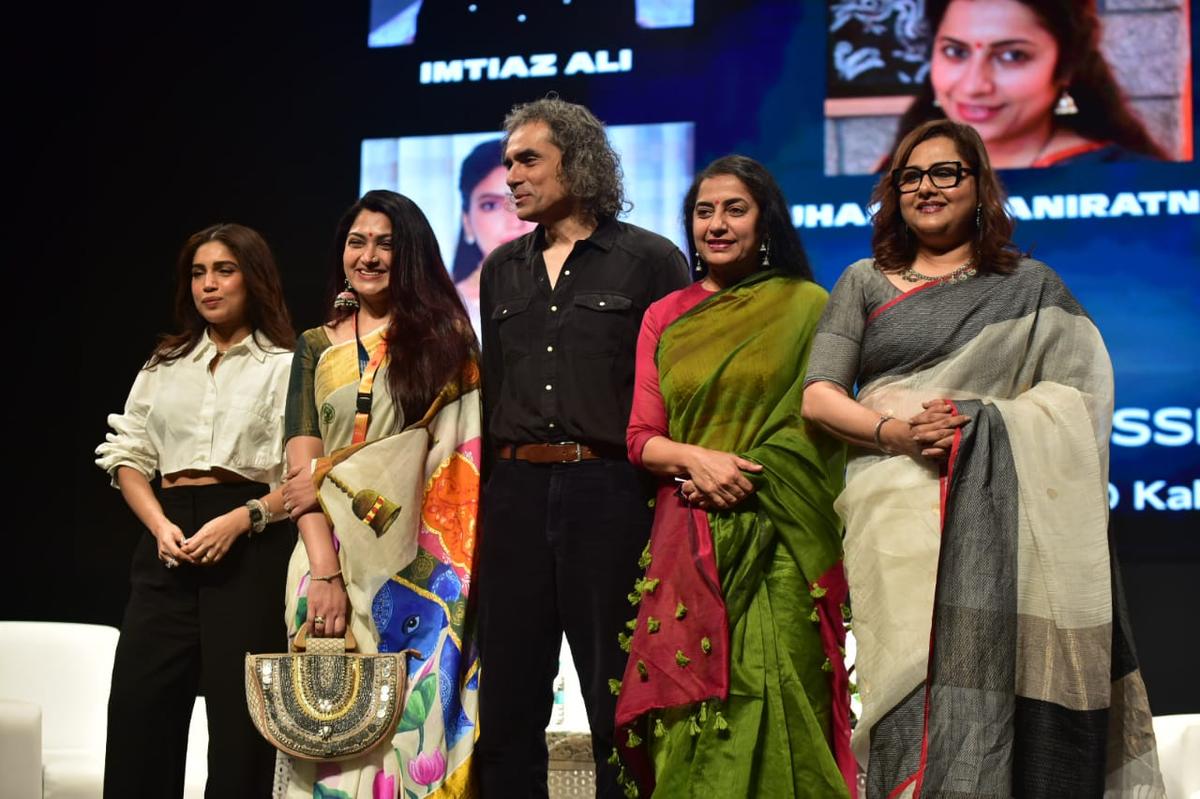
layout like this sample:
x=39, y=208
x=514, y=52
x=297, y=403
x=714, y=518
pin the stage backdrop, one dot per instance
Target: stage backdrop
x=815, y=91
x=276, y=116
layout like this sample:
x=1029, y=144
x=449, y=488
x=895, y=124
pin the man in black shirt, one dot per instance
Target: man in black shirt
x=565, y=516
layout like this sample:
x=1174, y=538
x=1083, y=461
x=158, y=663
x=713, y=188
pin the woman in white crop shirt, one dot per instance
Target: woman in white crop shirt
x=206, y=413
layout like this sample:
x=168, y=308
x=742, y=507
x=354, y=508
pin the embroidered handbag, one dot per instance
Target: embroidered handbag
x=322, y=701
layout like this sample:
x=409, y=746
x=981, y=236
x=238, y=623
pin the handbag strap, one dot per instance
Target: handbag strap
x=362, y=415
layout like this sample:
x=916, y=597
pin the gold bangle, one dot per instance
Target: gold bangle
x=327, y=578
x=879, y=429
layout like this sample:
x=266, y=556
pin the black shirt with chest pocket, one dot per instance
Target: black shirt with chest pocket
x=558, y=364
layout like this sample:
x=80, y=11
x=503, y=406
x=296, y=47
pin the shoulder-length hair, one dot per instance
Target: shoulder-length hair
x=591, y=168
x=1103, y=115
x=479, y=163
x=784, y=248
x=429, y=337
x=894, y=245
x=266, y=312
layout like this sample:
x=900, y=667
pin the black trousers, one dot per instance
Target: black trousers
x=187, y=631
x=559, y=546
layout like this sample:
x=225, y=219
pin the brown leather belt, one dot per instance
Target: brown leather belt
x=566, y=452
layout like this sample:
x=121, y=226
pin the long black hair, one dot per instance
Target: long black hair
x=429, y=337
x=266, y=313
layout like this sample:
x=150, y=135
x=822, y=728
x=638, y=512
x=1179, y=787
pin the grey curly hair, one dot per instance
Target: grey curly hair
x=591, y=169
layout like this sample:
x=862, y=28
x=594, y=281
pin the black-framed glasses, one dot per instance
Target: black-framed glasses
x=943, y=175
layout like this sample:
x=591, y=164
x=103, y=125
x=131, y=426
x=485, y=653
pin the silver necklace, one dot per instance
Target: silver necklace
x=964, y=272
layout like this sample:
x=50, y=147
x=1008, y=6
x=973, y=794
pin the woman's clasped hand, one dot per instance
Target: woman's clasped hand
x=717, y=480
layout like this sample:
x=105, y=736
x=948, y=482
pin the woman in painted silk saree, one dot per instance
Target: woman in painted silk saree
x=992, y=657
x=735, y=684
x=383, y=430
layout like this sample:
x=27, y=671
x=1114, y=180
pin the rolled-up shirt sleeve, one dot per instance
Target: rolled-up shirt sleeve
x=128, y=443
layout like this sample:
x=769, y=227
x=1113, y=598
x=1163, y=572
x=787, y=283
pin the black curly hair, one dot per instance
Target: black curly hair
x=591, y=169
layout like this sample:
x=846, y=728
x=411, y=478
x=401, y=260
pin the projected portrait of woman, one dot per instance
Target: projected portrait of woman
x=1031, y=79
x=487, y=220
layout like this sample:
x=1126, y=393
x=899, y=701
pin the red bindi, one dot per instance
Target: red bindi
x=978, y=45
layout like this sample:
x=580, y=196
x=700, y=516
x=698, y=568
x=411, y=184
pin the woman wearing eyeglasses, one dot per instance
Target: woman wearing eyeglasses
x=991, y=646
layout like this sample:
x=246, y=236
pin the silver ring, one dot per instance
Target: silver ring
x=171, y=563
x=287, y=506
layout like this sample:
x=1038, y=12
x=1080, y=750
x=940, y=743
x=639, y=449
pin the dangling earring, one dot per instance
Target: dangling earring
x=979, y=218
x=699, y=267
x=469, y=240
x=935, y=103
x=765, y=251
x=346, y=300
x=1065, y=106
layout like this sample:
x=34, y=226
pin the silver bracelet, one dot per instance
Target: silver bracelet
x=258, y=515
x=878, y=429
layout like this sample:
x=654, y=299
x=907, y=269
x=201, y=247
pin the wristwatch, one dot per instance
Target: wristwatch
x=258, y=515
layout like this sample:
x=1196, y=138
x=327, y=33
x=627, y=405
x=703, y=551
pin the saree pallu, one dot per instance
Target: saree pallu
x=993, y=657
x=735, y=685
x=403, y=510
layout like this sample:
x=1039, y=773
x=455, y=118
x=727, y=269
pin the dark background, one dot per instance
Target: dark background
x=251, y=113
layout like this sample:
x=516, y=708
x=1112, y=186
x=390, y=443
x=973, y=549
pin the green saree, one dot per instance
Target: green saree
x=735, y=685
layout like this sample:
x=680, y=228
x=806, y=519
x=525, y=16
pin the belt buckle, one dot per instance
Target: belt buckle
x=578, y=451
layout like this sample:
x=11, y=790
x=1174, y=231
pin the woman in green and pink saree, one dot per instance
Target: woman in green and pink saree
x=992, y=659
x=735, y=684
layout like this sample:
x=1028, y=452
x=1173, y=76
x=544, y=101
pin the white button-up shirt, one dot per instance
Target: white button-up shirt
x=182, y=416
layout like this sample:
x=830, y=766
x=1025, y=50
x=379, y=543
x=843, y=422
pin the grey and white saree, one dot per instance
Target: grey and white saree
x=993, y=657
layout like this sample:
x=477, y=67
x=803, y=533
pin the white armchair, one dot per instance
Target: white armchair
x=54, y=681
x=64, y=670
x=1178, y=739
x=20, y=749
